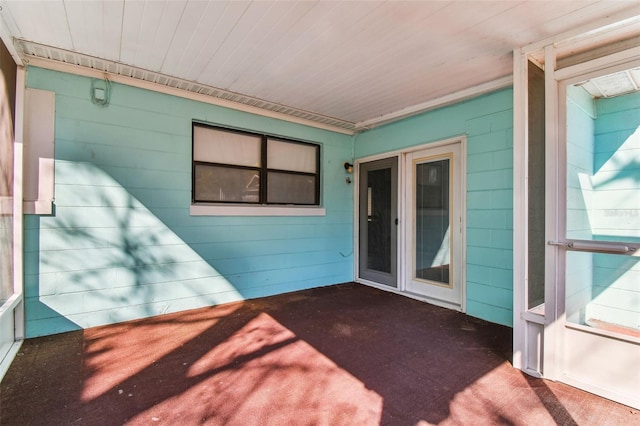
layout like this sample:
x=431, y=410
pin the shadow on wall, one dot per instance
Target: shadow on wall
x=103, y=257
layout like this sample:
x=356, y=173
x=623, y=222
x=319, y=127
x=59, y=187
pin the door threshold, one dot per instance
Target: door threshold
x=415, y=296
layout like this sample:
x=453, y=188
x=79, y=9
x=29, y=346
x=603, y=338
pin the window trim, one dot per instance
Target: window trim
x=260, y=207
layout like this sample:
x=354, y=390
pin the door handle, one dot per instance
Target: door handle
x=396, y=221
x=596, y=246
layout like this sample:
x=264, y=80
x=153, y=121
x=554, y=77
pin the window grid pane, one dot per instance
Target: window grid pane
x=291, y=156
x=227, y=166
x=289, y=188
x=226, y=184
x=217, y=146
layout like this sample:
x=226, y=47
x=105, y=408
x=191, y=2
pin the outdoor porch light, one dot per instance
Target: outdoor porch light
x=348, y=167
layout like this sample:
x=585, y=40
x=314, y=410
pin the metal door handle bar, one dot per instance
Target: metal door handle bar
x=600, y=246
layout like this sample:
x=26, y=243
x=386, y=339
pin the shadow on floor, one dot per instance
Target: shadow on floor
x=345, y=354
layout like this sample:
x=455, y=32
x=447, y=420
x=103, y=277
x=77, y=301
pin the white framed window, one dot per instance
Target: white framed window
x=231, y=167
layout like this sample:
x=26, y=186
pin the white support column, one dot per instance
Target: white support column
x=553, y=312
x=520, y=136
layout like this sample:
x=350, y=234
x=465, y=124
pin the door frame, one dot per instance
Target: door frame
x=403, y=227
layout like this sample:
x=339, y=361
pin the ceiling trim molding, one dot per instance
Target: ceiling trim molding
x=440, y=102
x=74, y=63
x=593, y=31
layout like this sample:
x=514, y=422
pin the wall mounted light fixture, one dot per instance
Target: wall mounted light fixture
x=348, y=167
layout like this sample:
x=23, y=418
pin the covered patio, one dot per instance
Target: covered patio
x=344, y=354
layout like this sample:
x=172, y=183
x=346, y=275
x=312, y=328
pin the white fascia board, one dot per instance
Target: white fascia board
x=148, y=85
x=452, y=98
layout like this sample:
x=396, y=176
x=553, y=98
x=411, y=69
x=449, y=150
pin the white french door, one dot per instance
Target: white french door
x=433, y=223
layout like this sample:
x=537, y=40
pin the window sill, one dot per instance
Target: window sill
x=236, y=210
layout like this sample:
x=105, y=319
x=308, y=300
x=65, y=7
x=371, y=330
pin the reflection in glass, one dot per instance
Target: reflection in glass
x=379, y=220
x=217, y=183
x=432, y=221
x=288, y=188
x=603, y=204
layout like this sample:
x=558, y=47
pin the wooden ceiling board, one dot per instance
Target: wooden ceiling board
x=29, y=21
x=239, y=43
x=87, y=27
x=157, y=30
x=380, y=53
x=312, y=42
x=349, y=60
x=197, y=22
x=274, y=39
x=131, y=19
x=113, y=12
x=217, y=23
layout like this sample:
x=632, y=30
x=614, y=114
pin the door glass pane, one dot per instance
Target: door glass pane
x=432, y=241
x=603, y=204
x=379, y=220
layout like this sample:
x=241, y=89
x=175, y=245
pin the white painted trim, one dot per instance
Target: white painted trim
x=18, y=218
x=39, y=139
x=410, y=295
x=236, y=210
x=155, y=87
x=598, y=390
x=590, y=30
x=40, y=207
x=5, y=362
x=449, y=99
x=619, y=59
x=520, y=205
x=553, y=180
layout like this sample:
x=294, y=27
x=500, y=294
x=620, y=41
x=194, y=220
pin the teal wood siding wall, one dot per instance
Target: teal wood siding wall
x=487, y=121
x=121, y=243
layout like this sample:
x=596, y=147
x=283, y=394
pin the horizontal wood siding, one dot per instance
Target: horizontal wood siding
x=487, y=122
x=122, y=245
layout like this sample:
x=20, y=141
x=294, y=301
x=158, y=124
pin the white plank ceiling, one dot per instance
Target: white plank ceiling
x=350, y=60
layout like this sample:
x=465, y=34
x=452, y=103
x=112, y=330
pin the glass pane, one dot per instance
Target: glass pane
x=379, y=220
x=219, y=146
x=214, y=183
x=291, y=156
x=603, y=291
x=603, y=204
x=536, y=190
x=432, y=236
x=285, y=188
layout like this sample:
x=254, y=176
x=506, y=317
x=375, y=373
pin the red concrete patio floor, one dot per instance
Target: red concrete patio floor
x=339, y=355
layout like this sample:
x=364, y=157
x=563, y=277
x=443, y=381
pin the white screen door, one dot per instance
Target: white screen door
x=598, y=256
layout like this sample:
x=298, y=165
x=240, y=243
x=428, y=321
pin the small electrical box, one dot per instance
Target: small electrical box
x=98, y=94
